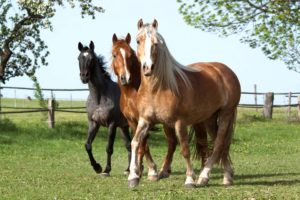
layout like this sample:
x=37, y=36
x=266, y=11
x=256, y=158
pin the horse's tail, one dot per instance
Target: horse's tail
x=198, y=137
x=193, y=144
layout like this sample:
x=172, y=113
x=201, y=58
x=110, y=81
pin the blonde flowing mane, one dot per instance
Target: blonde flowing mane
x=167, y=70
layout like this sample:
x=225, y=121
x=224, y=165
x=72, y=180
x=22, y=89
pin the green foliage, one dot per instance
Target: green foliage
x=38, y=94
x=22, y=50
x=273, y=26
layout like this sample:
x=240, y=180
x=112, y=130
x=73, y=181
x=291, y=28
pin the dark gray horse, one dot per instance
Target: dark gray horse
x=102, y=105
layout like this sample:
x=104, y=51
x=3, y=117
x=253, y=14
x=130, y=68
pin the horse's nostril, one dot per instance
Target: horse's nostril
x=123, y=78
x=144, y=66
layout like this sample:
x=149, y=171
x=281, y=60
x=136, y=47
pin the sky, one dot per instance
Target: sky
x=187, y=45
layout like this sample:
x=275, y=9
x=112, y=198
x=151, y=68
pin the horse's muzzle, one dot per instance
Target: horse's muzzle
x=147, y=70
x=124, y=80
x=84, y=80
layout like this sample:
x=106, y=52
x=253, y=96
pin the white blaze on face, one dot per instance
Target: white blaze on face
x=147, y=61
x=85, y=54
x=127, y=74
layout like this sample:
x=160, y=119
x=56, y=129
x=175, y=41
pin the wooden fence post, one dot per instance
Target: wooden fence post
x=268, y=105
x=255, y=96
x=51, y=109
x=298, y=108
x=289, y=104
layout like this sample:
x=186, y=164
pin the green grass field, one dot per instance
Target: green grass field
x=41, y=163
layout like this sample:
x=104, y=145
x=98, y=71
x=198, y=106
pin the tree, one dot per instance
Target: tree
x=272, y=25
x=22, y=50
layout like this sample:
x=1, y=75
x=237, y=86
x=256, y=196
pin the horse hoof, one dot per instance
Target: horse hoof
x=97, y=168
x=163, y=174
x=202, y=182
x=105, y=174
x=153, y=178
x=133, y=182
x=189, y=185
x=227, y=183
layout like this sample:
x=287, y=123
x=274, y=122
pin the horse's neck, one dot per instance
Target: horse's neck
x=146, y=85
x=136, y=74
x=130, y=90
x=97, y=84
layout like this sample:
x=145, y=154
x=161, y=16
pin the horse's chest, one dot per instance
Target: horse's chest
x=157, y=110
x=130, y=112
x=129, y=108
x=102, y=113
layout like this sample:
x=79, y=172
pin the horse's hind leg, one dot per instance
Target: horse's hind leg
x=225, y=159
x=221, y=149
x=93, y=129
x=172, y=142
x=127, y=140
x=181, y=131
x=110, y=147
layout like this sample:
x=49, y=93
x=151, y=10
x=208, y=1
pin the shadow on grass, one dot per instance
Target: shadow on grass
x=31, y=132
x=7, y=125
x=7, y=128
x=281, y=179
x=286, y=179
x=246, y=119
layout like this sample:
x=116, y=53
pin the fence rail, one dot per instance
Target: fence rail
x=43, y=89
x=267, y=106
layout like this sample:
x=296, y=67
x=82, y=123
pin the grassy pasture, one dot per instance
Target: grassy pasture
x=41, y=163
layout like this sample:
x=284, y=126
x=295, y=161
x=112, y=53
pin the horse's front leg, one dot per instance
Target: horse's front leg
x=93, y=129
x=110, y=147
x=127, y=140
x=144, y=150
x=172, y=142
x=181, y=131
x=140, y=134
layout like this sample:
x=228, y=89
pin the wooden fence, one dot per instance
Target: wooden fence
x=267, y=106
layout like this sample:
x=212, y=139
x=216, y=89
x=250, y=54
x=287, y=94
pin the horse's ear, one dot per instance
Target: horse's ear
x=155, y=24
x=80, y=46
x=128, y=38
x=114, y=38
x=92, y=46
x=140, y=24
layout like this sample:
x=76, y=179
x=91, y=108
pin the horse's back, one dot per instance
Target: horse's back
x=229, y=81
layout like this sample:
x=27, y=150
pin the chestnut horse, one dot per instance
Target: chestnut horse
x=127, y=68
x=178, y=96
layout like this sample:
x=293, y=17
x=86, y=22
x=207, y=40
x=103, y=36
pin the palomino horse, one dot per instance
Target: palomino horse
x=102, y=105
x=128, y=70
x=178, y=96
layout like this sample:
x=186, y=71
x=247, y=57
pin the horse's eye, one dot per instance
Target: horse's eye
x=114, y=55
x=137, y=41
